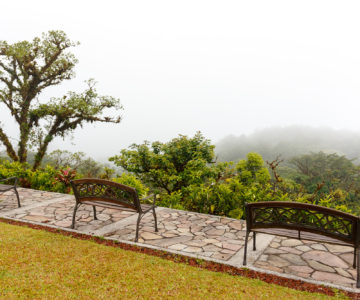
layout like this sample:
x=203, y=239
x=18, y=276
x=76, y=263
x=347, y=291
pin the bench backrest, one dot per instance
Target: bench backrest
x=91, y=189
x=304, y=217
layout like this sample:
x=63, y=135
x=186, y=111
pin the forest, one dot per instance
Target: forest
x=290, y=141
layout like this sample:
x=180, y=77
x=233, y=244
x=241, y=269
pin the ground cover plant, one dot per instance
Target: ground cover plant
x=39, y=264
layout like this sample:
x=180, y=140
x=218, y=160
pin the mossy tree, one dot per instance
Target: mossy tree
x=26, y=69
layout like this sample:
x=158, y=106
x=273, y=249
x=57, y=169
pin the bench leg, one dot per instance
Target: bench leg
x=137, y=228
x=254, y=241
x=156, y=228
x=245, y=247
x=358, y=269
x=94, y=209
x=17, y=196
x=74, y=213
x=354, y=263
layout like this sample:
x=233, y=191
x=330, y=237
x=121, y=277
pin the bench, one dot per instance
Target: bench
x=303, y=221
x=109, y=194
x=11, y=185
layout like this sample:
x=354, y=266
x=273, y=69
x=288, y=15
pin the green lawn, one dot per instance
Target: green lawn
x=39, y=264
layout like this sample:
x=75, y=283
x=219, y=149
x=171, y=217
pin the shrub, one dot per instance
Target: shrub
x=131, y=180
x=41, y=179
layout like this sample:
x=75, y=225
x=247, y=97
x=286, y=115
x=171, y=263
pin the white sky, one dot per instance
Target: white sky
x=221, y=67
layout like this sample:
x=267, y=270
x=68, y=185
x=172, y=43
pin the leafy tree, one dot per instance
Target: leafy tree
x=332, y=171
x=27, y=68
x=328, y=179
x=227, y=191
x=65, y=158
x=90, y=168
x=169, y=166
x=253, y=170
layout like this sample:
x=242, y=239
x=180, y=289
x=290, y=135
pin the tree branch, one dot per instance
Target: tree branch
x=9, y=148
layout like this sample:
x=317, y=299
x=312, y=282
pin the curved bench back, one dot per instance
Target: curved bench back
x=303, y=217
x=91, y=189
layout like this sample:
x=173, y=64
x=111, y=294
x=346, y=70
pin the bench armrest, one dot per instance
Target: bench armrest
x=148, y=197
x=10, y=178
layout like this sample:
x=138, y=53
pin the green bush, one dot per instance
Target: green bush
x=10, y=169
x=131, y=180
x=41, y=179
x=174, y=200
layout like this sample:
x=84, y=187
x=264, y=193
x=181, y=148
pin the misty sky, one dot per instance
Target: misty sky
x=221, y=67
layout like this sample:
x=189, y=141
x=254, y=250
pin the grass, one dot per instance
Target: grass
x=39, y=264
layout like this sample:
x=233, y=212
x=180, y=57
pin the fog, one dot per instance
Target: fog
x=288, y=142
x=221, y=67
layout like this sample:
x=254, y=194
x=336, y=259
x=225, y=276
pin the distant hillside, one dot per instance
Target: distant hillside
x=289, y=142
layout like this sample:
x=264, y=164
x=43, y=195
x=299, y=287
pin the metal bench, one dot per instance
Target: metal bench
x=303, y=221
x=109, y=194
x=11, y=185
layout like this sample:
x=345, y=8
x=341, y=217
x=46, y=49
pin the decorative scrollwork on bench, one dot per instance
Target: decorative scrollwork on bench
x=307, y=219
x=100, y=190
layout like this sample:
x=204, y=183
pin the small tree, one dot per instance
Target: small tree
x=169, y=166
x=26, y=69
x=64, y=158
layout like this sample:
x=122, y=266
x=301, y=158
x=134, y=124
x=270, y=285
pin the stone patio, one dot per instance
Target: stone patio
x=203, y=236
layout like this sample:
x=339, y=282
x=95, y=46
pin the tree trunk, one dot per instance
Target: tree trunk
x=24, y=137
x=41, y=152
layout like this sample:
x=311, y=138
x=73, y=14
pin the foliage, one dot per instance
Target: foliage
x=226, y=189
x=85, y=166
x=183, y=172
x=336, y=199
x=170, y=166
x=64, y=158
x=65, y=176
x=221, y=198
x=26, y=70
x=131, y=180
x=331, y=169
x=41, y=179
x=10, y=169
x=90, y=168
x=107, y=173
x=329, y=176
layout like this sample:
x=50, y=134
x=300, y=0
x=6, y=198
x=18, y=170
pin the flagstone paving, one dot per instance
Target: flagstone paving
x=205, y=235
x=188, y=233
x=307, y=259
x=60, y=214
x=27, y=197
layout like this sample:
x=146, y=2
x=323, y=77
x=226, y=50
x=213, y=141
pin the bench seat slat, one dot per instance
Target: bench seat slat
x=115, y=205
x=292, y=233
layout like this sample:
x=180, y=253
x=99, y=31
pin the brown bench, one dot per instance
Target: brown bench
x=303, y=221
x=109, y=194
x=11, y=184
